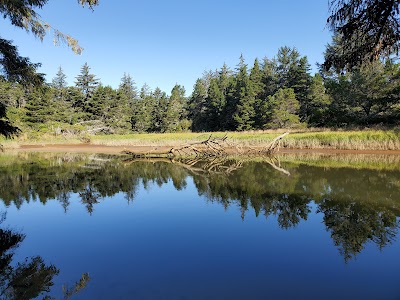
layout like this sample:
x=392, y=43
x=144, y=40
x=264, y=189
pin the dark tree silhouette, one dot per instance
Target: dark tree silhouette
x=368, y=29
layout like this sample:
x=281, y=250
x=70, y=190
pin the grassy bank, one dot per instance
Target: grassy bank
x=308, y=139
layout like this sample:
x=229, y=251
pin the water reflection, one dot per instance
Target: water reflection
x=30, y=278
x=359, y=205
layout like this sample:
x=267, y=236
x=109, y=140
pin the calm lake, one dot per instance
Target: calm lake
x=109, y=227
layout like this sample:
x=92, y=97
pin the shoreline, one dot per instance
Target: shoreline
x=97, y=149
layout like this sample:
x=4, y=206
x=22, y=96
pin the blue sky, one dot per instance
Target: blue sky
x=162, y=43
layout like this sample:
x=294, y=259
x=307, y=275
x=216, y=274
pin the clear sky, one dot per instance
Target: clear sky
x=161, y=42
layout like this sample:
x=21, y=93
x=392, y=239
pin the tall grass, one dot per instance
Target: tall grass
x=346, y=140
x=304, y=139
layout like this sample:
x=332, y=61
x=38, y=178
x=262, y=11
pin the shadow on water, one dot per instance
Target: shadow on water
x=30, y=278
x=359, y=205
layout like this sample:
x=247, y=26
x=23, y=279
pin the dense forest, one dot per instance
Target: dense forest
x=278, y=92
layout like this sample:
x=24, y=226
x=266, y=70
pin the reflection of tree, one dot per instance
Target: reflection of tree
x=25, y=280
x=28, y=279
x=89, y=197
x=352, y=225
x=290, y=209
x=80, y=285
x=362, y=203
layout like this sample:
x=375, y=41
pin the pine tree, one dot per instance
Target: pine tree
x=270, y=77
x=258, y=88
x=39, y=108
x=76, y=100
x=366, y=95
x=60, y=80
x=142, y=118
x=176, y=110
x=127, y=88
x=319, y=103
x=86, y=82
x=300, y=81
x=215, y=106
x=197, y=107
x=245, y=99
x=11, y=94
x=294, y=72
x=59, y=84
x=160, y=107
x=284, y=109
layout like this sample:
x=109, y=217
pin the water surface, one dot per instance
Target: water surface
x=109, y=227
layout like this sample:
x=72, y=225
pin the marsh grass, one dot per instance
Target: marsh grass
x=344, y=140
x=300, y=139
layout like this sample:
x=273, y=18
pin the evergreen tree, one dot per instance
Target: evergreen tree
x=245, y=99
x=39, y=108
x=176, y=111
x=60, y=80
x=215, y=106
x=59, y=84
x=270, y=77
x=366, y=95
x=23, y=14
x=258, y=88
x=197, y=107
x=142, y=118
x=369, y=29
x=86, y=82
x=300, y=81
x=287, y=60
x=160, y=108
x=319, y=103
x=12, y=94
x=127, y=88
x=284, y=109
x=98, y=106
x=76, y=100
x=294, y=73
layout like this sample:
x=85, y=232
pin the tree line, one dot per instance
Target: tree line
x=279, y=92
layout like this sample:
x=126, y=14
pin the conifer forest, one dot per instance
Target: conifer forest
x=277, y=92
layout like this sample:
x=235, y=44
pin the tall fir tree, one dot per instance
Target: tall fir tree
x=59, y=84
x=284, y=109
x=258, y=88
x=197, y=106
x=160, y=108
x=142, y=118
x=39, y=108
x=128, y=89
x=318, y=103
x=87, y=83
x=176, y=110
x=215, y=106
x=245, y=99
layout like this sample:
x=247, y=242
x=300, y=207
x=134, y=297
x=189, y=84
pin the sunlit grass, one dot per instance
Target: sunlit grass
x=354, y=140
x=300, y=139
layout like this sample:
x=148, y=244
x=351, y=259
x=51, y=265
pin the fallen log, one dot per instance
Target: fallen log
x=211, y=147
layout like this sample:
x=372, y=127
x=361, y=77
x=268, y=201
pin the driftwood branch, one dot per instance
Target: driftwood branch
x=211, y=147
